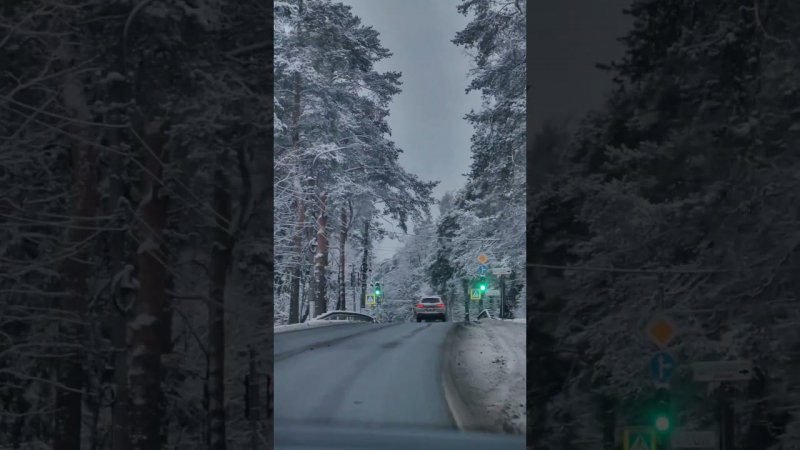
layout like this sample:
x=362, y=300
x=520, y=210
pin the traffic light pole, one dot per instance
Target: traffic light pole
x=502, y=296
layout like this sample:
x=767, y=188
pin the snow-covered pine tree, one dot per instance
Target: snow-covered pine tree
x=335, y=149
x=488, y=214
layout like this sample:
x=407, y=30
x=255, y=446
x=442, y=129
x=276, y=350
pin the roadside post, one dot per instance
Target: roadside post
x=502, y=272
x=502, y=297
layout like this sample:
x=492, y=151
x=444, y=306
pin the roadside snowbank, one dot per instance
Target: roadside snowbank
x=485, y=376
x=309, y=324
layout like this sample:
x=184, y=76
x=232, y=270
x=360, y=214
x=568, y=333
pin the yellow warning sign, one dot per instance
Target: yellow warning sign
x=639, y=439
x=371, y=299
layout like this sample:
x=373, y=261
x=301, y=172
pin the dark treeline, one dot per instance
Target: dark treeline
x=135, y=224
x=691, y=165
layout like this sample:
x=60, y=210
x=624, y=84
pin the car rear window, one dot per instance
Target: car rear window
x=431, y=300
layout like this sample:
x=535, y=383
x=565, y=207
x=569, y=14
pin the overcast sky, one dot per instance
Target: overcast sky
x=427, y=117
x=565, y=40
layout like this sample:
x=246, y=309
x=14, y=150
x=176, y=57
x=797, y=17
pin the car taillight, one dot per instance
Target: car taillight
x=440, y=305
x=420, y=306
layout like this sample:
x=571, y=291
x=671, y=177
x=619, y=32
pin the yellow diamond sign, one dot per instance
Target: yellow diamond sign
x=661, y=331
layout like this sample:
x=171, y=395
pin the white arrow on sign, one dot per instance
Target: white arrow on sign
x=723, y=371
x=501, y=271
x=693, y=439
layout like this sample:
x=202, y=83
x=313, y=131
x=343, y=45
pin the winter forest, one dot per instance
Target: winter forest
x=135, y=224
x=680, y=194
x=338, y=181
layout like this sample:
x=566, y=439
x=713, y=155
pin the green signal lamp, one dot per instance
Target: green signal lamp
x=662, y=423
x=483, y=286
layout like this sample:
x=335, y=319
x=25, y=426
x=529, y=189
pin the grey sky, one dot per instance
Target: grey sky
x=427, y=117
x=565, y=40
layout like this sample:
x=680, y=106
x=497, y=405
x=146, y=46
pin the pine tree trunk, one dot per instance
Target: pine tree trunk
x=310, y=290
x=119, y=411
x=165, y=325
x=294, y=296
x=321, y=257
x=365, y=266
x=148, y=309
x=74, y=272
x=254, y=394
x=119, y=92
x=220, y=263
x=342, y=305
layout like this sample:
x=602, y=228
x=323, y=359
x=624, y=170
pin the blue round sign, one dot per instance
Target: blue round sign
x=661, y=367
x=482, y=269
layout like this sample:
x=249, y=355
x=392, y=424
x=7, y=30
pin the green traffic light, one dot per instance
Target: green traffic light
x=483, y=287
x=662, y=423
x=377, y=292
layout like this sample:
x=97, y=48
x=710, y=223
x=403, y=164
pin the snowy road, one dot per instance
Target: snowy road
x=374, y=374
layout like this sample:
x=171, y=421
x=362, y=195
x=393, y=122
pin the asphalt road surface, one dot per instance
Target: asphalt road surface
x=363, y=374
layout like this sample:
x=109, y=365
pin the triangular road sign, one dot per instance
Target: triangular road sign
x=639, y=444
x=639, y=438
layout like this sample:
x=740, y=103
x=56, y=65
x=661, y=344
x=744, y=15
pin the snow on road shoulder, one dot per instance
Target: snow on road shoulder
x=310, y=324
x=487, y=366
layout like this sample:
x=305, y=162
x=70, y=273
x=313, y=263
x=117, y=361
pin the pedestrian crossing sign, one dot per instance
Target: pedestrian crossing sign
x=371, y=299
x=474, y=294
x=639, y=439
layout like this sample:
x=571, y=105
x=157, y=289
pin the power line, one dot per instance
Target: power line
x=445, y=237
x=660, y=271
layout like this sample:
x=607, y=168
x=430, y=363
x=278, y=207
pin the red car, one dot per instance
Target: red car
x=430, y=307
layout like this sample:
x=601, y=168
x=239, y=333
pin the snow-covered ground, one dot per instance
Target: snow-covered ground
x=485, y=375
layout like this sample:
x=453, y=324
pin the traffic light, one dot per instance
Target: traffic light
x=377, y=289
x=482, y=285
x=662, y=423
x=662, y=417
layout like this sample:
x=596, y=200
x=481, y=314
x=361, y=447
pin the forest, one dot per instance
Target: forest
x=135, y=224
x=338, y=182
x=154, y=176
x=679, y=196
